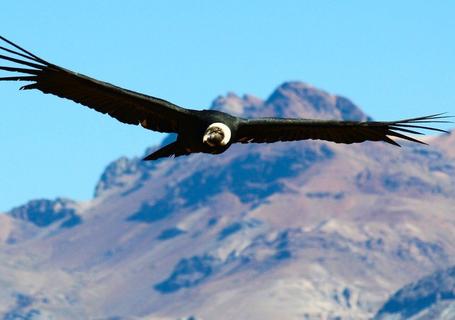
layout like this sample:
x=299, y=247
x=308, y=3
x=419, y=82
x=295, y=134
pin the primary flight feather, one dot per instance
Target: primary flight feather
x=207, y=131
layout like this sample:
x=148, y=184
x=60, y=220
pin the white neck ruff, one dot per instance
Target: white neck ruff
x=225, y=129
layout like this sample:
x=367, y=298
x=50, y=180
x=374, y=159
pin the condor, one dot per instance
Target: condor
x=206, y=131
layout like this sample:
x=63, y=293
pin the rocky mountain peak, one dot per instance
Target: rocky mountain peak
x=236, y=105
x=114, y=174
x=292, y=99
x=297, y=99
x=44, y=212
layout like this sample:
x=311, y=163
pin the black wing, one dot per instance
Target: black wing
x=264, y=130
x=122, y=104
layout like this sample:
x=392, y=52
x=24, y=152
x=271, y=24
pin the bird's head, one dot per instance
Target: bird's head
x=217, y=135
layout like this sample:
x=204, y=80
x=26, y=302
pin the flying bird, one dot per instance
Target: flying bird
x=207, y=131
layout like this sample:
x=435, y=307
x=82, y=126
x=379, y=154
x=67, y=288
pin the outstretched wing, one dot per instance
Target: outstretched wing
x=264, y=130
x=124, y=105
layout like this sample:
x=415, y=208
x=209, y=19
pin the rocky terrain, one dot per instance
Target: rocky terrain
x=299, y=230
x=432, y=297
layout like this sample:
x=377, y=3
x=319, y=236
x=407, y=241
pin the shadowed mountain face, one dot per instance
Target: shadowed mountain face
x=43, y=213
x=298, y=230
x=432, y=297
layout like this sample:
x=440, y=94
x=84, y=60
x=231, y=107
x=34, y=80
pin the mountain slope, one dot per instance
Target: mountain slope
x=295, y=230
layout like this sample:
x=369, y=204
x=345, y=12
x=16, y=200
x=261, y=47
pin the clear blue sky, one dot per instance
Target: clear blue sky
x=393, y=58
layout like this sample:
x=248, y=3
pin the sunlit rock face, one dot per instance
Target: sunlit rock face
x=298, y=230
x=301, y=100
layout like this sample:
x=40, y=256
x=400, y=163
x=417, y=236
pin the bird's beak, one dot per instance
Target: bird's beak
x=207, y=139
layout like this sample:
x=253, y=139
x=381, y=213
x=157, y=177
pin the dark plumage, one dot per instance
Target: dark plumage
x=207, y=131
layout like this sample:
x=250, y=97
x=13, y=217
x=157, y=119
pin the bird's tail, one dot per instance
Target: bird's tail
x=173, y=149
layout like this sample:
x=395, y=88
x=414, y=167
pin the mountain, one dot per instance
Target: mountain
x=297, y=230
x=432, y=297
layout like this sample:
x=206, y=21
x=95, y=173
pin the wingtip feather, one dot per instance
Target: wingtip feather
x=30, y=55
x=388, y=140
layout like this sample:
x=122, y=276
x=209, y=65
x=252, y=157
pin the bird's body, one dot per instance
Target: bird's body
x=191, y=137
x=206, y=131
